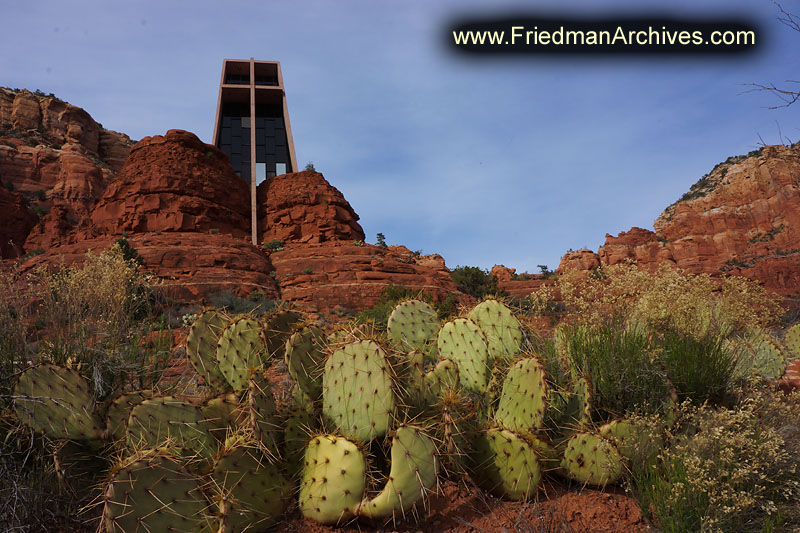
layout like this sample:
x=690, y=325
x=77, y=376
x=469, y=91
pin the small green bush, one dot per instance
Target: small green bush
x=257, y=303
x=476, y=281
x=273, y=245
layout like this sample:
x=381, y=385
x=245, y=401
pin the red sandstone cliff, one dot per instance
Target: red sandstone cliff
x=743, y=218
x=58, y=158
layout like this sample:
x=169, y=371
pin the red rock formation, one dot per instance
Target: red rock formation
x=174, y=182
x=581, y=260
x=517, y=285
x=343, y=276
x=741, y=218
x=57, y=156
x=190, y=265
x=16, y=220
x=304, y=207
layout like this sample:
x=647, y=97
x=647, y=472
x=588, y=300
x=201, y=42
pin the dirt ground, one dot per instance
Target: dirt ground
x=560, y=509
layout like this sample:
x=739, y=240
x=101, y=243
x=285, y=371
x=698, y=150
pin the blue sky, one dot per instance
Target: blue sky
x=484, y=160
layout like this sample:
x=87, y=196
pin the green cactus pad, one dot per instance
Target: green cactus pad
x=251, y=493
x=298, y=424
x=505, y=464
x=223, y=415
x=153, y=493
x=412, y=476
x=442, y=378
x=277, y=330
x=120, y=409
x=415, y=378
x=263, y=413
x=500, y=327
x=166, y=419
x=759, y=353
x=305, y=359
x=58, y=402
x=412, y=324
x=592, y=460
x=462, y=341
x=357, y=391
x=239, y=350
x=333, y=480
x=792, y=341
x=201, y=349
x=634, y=442
x=522, y=403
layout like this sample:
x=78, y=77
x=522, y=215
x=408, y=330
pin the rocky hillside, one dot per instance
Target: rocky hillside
x=741, y=218
x=55, y=162
x=71, y=186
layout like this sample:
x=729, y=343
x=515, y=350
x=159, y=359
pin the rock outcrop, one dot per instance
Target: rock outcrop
x=517, y=285
x=190, y=265
x=57, y=157
x=342, y=277
x=303, y=207
x=174, y=182
x=16, y=221
x=742, y=218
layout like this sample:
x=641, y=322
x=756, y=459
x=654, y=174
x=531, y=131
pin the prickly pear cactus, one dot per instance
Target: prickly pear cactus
x=593, y=460
x=634, y=442
x=462, y=341
x=201, y=348
x=505, y=464
x=79, y=466
x=792, y=341
x=522, y=403
x=443, y=377
x=120, y=409
x=759, y=353
x=412, y=476
x=222, y=415
x=333, y=480
x=153, y=492
x=298, y=425
x=239, y=350
x=263, y=413
x=251, y=493
x=357, y=391
x=412, y=324
x=305, y=359
x=277, y=329
x=58, y=402
x=166, y=419
x=500, y=327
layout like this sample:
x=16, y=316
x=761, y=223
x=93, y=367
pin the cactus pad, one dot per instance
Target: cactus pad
x=153, y=493
x=506, y=464
x=357, y=391
x=305, y=359
x=263, y=413
x=201, y=349
x=500, y=327
x=251, y=493
x=413, y=474
x=277, y=329
x=239, y=350
x=222, y=414
x=593, y=460
x=442, y=378
x=120, y=409
x=412, y=324
x=792, y=340
x=333, y=480
x=298, y=423
x=58, y=402
x=171, y=420
x=634, y=442
x=522, y=403
x=462, y=341
x=759, y=353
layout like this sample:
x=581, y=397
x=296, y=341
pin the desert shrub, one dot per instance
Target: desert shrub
x=667, y=299
x=617, y=360
x=702, y=369
x=728, y=469
x=273, y=245
x=475, y=281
